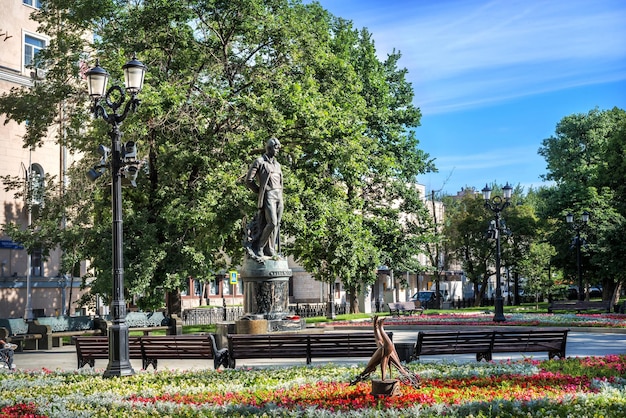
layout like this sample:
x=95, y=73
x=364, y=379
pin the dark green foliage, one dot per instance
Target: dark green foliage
x=222, y=77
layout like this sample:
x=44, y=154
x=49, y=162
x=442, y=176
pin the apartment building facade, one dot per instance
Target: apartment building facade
x=29, y=284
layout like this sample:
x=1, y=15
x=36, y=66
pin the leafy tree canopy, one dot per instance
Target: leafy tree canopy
x=223, y=76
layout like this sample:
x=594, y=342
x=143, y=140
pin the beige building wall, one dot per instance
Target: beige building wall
x=19, y=40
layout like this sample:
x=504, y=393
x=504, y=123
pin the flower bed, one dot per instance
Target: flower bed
x=580, y=387
x=516, y=319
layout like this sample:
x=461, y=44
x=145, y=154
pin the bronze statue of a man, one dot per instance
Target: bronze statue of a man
x=266, y=179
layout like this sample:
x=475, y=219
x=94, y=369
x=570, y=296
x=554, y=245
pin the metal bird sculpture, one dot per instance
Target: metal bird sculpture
x=385, y=356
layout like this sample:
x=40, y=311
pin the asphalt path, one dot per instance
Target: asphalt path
x=579, y=344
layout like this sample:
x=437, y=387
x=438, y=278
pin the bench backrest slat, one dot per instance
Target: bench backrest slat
x=486, y=342
x=453, y=342
x=178, y=346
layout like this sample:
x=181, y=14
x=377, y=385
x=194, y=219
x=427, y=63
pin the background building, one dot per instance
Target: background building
x=23, y=275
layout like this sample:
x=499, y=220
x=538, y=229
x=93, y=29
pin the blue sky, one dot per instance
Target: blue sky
x=493, y=78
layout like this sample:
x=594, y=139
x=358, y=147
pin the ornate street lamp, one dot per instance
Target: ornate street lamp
x=497, y=204
x=577, y=227
x=114, y=98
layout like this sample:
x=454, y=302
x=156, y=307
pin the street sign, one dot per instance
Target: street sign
x=233, y=277
x=11, y=245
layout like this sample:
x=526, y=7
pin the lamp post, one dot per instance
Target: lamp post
x=497, y=204
x=577, y=227
x=63, y=285
x=114, y=98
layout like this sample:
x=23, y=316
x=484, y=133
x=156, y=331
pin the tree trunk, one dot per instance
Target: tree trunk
x=353, y=300
x=173, y=303
x=616, y=292
x=69, y=299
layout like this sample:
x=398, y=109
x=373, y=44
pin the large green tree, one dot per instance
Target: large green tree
x=365, y=158
x=583, y=161
x=466, y=229
x=222, y=77
x=525, y=228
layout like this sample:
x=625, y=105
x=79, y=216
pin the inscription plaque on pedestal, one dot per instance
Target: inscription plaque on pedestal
x=266, y=288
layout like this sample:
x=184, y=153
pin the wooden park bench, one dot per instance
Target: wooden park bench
x=532, y=340
x=356, y=344
x=150, y=349
x=484, y=343
x=408, y=308
x=300, y=346
x=90, y=349
x=453, y=342
x=69, y=326
x=181, y=347
x=26, y=335
x=579, y=306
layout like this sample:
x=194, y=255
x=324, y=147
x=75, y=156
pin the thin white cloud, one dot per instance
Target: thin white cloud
x=503, y=157
x=471, y=61
x=464, y=54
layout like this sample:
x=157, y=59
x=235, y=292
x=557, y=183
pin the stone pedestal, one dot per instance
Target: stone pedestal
x=285, y=325
x=388, y=387
x=252, y=326
x=265, y=288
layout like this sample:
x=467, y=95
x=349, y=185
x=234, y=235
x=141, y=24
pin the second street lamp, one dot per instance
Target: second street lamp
x=114, y=98
x=577, y=227
x=497, y=204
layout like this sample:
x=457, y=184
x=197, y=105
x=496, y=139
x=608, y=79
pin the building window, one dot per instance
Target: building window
x=32, y=3
x=197, y=287
x=185, y=288
x=225, y=285
x=32, y=46
x=37, y=185
x=36, y=263
x=213, y=287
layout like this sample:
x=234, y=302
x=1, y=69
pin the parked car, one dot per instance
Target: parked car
x=572, y=292
x=595, y=292
x=426, y=298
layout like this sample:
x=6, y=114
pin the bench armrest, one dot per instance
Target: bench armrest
x=175, y=325
x=45, y=342
x=35, y=328
x=102, y=325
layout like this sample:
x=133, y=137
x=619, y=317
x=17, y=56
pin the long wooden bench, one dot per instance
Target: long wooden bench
x=182, y=347
x=149, y=349
x=453, y=342
x=552, y=341
x=486, y=342
x=579, y=306
x=69, y=326
x=408, y=308
x=90, y=349
x=300, y=346
x=358, y=344
x=26, y=335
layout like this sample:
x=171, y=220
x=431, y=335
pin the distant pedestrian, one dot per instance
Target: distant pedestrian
x=6, y=353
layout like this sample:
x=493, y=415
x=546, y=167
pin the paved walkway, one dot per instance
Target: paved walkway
x=579, y=344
